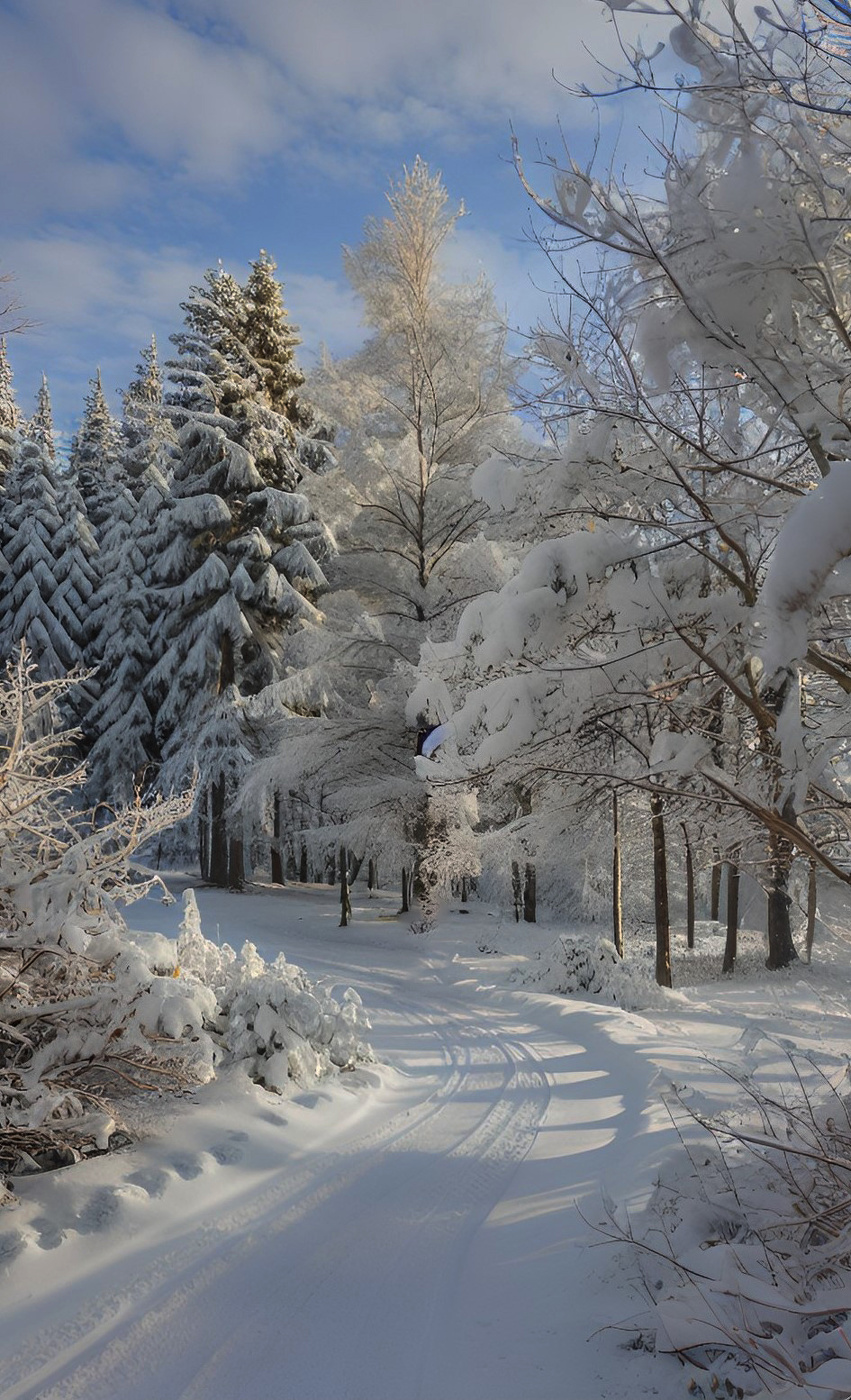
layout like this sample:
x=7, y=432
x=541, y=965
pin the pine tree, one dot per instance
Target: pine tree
x=271, y=340
x=120, y=724
x=33, y=607
x=149, y=436
x=96, y=457
x=227, y=547
x=39, y=429
x=10, y=418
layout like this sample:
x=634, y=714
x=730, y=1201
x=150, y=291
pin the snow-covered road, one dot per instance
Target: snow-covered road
x=416, y=1239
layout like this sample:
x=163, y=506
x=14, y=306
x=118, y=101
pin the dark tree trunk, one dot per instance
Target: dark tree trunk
x=355, y=863
x=465, y=893
x=516, y=891
x=203, y=836
x=781, y=949
x=371, y=877
x=617, y=879
x=292, y=868
x=715, y=892
x=405, y=886
x=345, y=900
x=530, y=895
x=812, y=899
x=302, y=865
x=276, y=864
x=689, y=889
x=236, y=863
x=218, y=842
x=660, y=894
x=731, y=947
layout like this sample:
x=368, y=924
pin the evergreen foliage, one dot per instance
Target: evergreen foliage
x=96, y=453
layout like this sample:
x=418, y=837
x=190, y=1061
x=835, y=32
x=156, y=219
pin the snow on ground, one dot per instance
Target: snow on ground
x=422, y=1227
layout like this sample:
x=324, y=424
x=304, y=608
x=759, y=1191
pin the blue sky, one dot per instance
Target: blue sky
x=146, y=139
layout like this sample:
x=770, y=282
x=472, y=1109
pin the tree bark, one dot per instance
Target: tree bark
x=781, y=949
x=345, y=900
x=617, y=880
x=465, y=893
x=302, y=865
x=660, y=894
x=236, y=863
x=731, y=947
x=372, y=877
x=276, y=864
x=715, y=894
x=203, y=836
x=530, y=895
x=218, y=843
x=516, y=890
x=405, y=902
x=812, y=898
x=689, y=889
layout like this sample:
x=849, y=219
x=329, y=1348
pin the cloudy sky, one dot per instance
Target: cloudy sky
x=146, y=139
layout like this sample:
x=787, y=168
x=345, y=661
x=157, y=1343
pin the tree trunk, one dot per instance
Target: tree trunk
x=781, y=949
x=715, y=889
x=617, y=880
x=345, y=901
x=731, y=947
x=355, y=863
x=203, y=837
x=516, y=890
x=660, y=893
x=689, y=889
x=464, y=889
x=218, y=843
x=236, y=863
x=530, y=895
x=276, y=864
x=812, y=896
x=302, y=865
x=372, y=877
x=405, y=902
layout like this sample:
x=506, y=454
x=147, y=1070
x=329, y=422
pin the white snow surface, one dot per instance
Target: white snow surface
x=419, y=1227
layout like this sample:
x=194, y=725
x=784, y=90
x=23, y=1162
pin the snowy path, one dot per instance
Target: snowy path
x=418, y=1240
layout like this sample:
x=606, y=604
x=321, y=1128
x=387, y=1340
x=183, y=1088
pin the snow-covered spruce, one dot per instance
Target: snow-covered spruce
x=88, y=1014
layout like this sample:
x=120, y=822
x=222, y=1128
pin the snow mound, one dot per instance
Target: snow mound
x=587, y=964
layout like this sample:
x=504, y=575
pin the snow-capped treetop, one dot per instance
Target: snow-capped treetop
x=10, y=416
x=96, y=453
x=39, y=428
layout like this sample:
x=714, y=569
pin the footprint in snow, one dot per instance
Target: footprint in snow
x=226, y=1153
x=187, y=1165
x=152, y=1180
x=50, y=1236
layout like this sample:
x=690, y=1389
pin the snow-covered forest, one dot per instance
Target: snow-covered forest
x=557, y=638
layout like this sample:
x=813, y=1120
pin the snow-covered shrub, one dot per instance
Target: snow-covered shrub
x=271, y=1015
x=89, y=1011
x=745, y=1251
x=587, y=963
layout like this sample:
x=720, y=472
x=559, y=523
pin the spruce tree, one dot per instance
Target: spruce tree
x=39, y=429
x=33, y=608
x=149, y=436
x=227, y=549
x=96, y=453
x=10, y=418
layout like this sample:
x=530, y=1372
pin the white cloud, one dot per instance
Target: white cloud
x=108, y=96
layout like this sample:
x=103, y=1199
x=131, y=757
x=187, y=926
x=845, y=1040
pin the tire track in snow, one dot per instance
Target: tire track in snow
x=433, y=1172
